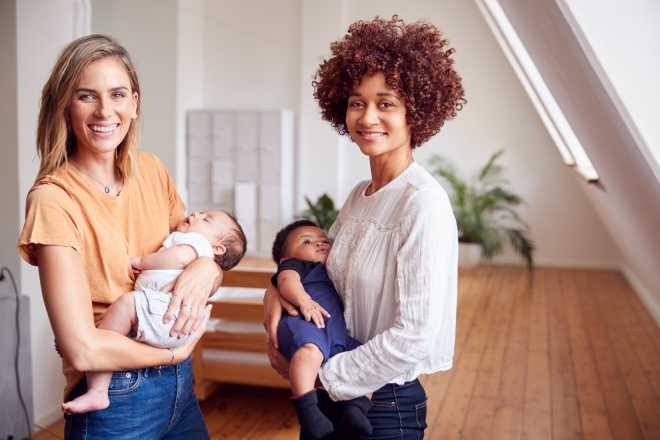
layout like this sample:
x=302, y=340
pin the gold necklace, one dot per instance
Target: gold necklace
x=106, y=188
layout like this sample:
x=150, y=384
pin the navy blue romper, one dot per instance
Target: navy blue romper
x=293, y=331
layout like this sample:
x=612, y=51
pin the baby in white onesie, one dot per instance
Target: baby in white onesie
x=212, y=233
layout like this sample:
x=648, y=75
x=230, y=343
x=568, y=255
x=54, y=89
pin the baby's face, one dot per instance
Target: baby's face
x=308, y=243
x=212, y=224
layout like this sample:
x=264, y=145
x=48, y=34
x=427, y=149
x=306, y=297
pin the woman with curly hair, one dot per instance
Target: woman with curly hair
x=390, y=86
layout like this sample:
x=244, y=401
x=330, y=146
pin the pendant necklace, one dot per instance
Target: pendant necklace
x=106, y=188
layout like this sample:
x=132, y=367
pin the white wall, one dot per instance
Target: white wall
x=498, y=115
x=320, y=159
x=624, y=44
x=252, y=54
x=42, y=31
x=189, y=77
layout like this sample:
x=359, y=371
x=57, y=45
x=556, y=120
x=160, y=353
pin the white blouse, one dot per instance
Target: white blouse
x=394, y=261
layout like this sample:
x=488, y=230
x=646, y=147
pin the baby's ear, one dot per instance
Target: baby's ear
x=219, y=249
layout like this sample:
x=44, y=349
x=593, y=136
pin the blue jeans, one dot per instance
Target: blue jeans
x=149, y=403
x=398, y=412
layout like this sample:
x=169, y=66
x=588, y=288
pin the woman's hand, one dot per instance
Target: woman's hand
x=273, y=306
x=182, y=352
x=278, y=361
x=191, y=292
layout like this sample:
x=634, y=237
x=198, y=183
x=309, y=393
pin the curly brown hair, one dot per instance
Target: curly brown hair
x=416, y=62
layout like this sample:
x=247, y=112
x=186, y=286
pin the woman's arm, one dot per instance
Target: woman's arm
x=426, y=273
x=273, y=306
x=69, y=307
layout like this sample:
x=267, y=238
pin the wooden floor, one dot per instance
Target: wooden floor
x=575, y=355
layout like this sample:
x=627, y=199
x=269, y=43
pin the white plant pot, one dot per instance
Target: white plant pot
x=469, y=255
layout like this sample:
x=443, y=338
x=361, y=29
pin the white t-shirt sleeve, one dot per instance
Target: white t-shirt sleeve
x=197, y=241
x=426, y=297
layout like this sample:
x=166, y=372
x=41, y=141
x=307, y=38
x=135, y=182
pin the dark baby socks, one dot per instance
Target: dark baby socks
x=313, y=423
x=353, y=416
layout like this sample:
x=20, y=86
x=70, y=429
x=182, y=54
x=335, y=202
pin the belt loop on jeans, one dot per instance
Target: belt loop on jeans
x=398, y=410
x=154, y=369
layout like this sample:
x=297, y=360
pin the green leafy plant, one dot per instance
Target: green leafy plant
x=322, y=212
x=485, y=208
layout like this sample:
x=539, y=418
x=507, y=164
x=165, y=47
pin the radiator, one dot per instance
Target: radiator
x=12, y=415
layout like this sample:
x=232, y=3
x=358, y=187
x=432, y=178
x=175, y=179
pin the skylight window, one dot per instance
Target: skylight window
x=553, y=118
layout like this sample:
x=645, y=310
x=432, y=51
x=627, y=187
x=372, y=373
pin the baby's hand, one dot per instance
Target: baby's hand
x=312, y=311
x=136, y=264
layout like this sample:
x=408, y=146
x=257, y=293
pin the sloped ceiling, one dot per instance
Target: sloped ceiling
x=629, y=200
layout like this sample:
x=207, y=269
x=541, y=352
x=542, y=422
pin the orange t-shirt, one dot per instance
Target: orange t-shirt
x=65, y=209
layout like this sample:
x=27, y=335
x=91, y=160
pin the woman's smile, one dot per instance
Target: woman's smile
x=103, y=129
x=371, y=135
x=376, y=117
x=103, y=106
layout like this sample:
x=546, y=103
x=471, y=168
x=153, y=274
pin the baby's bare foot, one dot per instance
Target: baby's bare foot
x=92, y=400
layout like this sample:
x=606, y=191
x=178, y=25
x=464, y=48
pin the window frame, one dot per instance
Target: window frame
x=558, y=127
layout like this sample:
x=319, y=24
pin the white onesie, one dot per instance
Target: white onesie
x=151, y=304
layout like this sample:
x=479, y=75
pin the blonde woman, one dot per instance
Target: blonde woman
x=96, y=202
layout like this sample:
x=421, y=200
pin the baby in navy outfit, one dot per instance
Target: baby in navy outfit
x=319, y=330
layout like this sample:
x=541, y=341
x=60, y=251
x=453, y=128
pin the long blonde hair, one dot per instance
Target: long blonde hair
x=56, y=141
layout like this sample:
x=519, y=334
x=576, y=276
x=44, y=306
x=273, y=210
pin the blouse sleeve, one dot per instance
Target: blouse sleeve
x=49, y=220
x=426, y=274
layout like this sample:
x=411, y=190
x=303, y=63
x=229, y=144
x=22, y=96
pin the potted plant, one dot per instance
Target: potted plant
x=485, y=212
x=322, y=212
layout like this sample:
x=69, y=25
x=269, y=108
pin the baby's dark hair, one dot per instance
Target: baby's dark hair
x=279, y=245
x=235, y=244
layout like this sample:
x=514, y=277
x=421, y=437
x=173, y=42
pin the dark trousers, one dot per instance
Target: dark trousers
x=397, y=412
